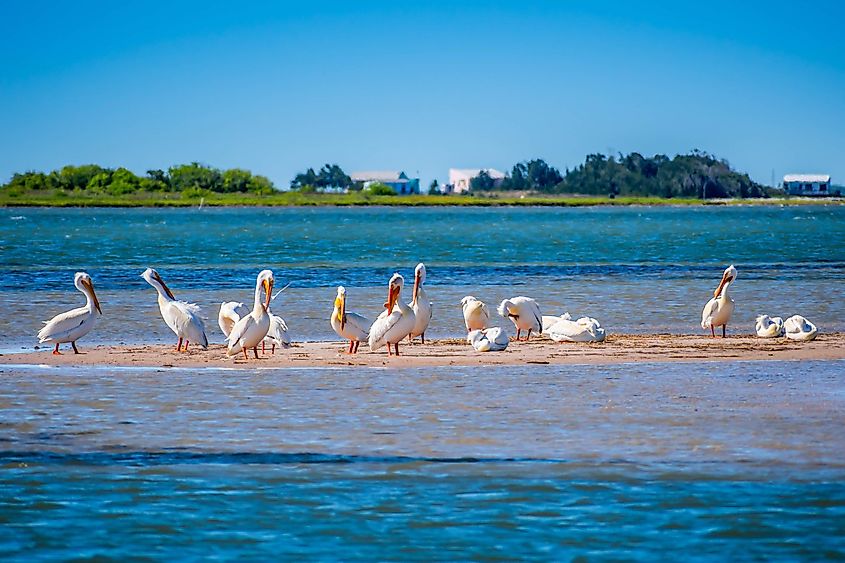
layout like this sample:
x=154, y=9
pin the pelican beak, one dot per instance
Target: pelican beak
x=90, y=286
x=268, y=290
x=164, y=286
x=416, y=289
x=722, y=283
x=392, y=296
x=342, y=312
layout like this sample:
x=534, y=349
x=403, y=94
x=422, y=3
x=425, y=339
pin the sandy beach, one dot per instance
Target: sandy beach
x=616, y=349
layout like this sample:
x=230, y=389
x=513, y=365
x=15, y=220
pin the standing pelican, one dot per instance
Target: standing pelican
x=420, y=304
x=525, y=314
x=718, y=310
x=76, y=323
x=349, y=325
x=395, y=322
x=182, y=318
x=476, y=314
x=230, y=313
x=252, y=328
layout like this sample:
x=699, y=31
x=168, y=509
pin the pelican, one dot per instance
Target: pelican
x=476, y=314
x=799, y=328
x=182, y=318
x=230, y=313
x=278, y=334
x=769, y=327
x=420, y=304
x=488, y=340
x=252, y=328
x=718, y=310
x=525, y=314
x=349, y=325
x=395, y=322
x=564, y=329
x=76, y=323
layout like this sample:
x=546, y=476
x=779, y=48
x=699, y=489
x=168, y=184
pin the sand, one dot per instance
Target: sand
x=617, y=349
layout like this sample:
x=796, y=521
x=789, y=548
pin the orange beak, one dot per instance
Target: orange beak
x=721, y=285
x=164, y=286
x=90, y=286
x=268, y=290
x=416, y=289
x=392, y=297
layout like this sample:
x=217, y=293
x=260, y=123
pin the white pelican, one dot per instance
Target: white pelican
x=525, y=314
x=349, y=325
x=718, y=310
x=76, y=323
x=252, y=328
x=476, y=314
x=420, y=304
x=182, y=318
x=769, y=327
x=488, y=340
x=564, y=329
x=799, y=328
x=230, y=313
x=395, y=322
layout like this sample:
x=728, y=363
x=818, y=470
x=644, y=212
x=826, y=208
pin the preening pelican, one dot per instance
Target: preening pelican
x=182, y=318
x=349, y=325
x=230, y=313
x=252, y=328
x=769, y=327
x=76, y=323
x=525, y=314
x=564, y=329
x=476, y=314
x=718, y=310
x=799, y=328
x=278, y=334
x=395, y=322
x=420, y=304
x=488, y=340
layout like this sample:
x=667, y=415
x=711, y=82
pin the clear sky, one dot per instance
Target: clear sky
x=420, y=86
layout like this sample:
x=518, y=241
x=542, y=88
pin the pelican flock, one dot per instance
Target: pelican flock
x=717, y=312
x=76, y=323
x=183, y=318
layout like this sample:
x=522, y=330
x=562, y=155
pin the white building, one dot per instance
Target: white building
x=398, y=180
x=460, y=179
x=807, y=184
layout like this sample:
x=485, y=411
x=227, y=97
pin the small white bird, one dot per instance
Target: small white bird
x=488, y=340
x=564, y=329
x=476, y=314
x=718, y=311
x=394, y=323
x=252, y=328
x=230, y=313
x=349, y=325
x=420, y=304
x=524, y=313
x=799, y=328
x=182, y=318
x=76, y=323
x=769, y=327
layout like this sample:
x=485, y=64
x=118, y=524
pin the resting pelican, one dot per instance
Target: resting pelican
x=769, y=327
x=349, y=325
x=395, y=322
x=488, y=340
x=76, y=323
x=718, y=310
x=476, y=314
x=525, y=314
x=420, y=304
x=252, y=328
x=799, y=328
x=182, y=318
x=564, y=329
x=230, y=313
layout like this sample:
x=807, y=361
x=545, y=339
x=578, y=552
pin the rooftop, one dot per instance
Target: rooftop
x=807, y=178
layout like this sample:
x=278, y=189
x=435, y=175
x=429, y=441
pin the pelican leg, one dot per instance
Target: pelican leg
x=397, y=348
x=724, y=330
x=246, y=357
x=517, y=334
x=263, y=348
x=410, y=339
x=712, y=331
x=389, y=350
x=75, y=349
x=56, y=350
x=351, y=343
x=179, y=345
x=255, y=351
x=273, y=348
x=422, y=338
x=527, y=338
x=186, y=346
x=357, y=343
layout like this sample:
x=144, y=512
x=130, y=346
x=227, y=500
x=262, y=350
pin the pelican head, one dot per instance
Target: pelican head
x=152, y=278
x=727, y=277
x=340, y=305
x=265, y=281
x=470, y=303
x=419, y=279
x=506, y=309
x=394, y=288
x=83, y=283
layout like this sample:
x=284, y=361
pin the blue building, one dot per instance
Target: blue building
x=398, y=180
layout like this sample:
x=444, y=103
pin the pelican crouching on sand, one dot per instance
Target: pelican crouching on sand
x=76, y=323
x=799, y=328
x=230, y=313
x=395, y=322
x=718, y=310
x=768, y=327
x=420, y=304
x=182, y=318
x=252, y=328
x=564, y=329
x=488, y=340
x=524, y=313
x=349, y=325
x=476, y=314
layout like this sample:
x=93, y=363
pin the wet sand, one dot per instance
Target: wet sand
x=616, y=349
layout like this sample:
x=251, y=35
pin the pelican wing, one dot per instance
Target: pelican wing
x=710, y=311
x=239, y=331
x=187, y=322
x=63, y=324
x=230, y=313
x=357, y=325
x=382, y=326
x=278, y=331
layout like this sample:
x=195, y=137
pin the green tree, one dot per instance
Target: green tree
x=434, y=188
x=482, y=183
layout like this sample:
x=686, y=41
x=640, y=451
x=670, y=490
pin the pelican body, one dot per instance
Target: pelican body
x=799, y=328
x=564, y=329
x=476, y=313
x=76, y=323
x=230, y=313
x=395, y=322
x=768, y=327
x=182, y=318
x=718, y=311
x=349, y=325
x=251, y=329
x=524, y=313
x=488, y=340
x=277, y=334
x=420, y=304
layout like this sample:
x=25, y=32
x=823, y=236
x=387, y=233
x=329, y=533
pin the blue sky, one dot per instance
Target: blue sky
x=420, y=86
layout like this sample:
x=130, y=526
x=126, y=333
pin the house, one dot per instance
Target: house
x=807, y=184
x=399, y=181
x=460, y=179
